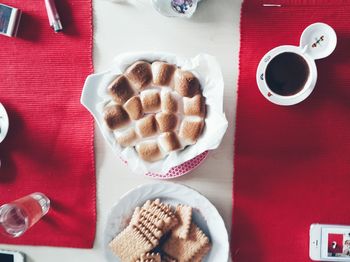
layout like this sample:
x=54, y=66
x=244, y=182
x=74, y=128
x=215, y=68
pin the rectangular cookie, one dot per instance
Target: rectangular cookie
x=160, y=211
x=150, y=257
x=202, y=253
x=166, y=258
x=183, y=214
x=130, y=244
x=185, y=250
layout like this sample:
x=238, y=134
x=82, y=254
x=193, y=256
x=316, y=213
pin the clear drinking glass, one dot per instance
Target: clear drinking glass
x=18, y=216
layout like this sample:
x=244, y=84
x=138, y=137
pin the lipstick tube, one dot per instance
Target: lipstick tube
x=54, y=18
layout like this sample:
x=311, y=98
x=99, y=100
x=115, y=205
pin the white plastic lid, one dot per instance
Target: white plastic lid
x=4, y=123
x=318, y=40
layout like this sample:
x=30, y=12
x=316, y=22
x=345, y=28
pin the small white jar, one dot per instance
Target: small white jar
x=176, y=8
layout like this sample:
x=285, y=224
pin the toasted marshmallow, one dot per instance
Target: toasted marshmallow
x=115, y=117
x=150, y=100
x=156, y=109
x=127, y=138
x=169, y=142
x=186, y=84
x=149, y=151
x=162, y=73
x=191, y=129
x=194, y=106
x=169, y=103
x=147, y=126
x=120, y=90
x=139, y=74
x=134, y=108
x=166, y=122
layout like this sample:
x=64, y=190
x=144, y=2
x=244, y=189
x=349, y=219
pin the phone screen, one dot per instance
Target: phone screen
x=6, y=258
x=336, y=243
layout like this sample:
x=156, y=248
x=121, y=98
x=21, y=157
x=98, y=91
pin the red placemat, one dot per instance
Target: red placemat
x=292, y=164
x=49, y=147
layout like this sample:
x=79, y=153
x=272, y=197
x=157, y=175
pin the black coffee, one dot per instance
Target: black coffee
x=287, y=74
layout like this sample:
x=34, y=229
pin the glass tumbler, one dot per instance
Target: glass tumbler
x=18, y=216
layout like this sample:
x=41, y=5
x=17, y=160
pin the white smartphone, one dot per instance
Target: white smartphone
x=11, y=256
x=329, y=242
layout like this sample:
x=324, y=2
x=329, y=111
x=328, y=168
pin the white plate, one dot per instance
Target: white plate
x=4, y=123
x=205, y=216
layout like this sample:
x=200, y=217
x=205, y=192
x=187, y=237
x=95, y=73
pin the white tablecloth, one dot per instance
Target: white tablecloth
x=214, y=29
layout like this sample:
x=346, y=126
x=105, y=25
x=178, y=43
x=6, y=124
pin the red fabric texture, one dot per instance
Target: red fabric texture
x=49, y=147
x=292, y=164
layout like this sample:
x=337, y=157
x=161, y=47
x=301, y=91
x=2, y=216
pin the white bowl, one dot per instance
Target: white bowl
x=206, y=69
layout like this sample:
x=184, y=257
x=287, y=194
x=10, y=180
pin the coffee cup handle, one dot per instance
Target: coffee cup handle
x=304, y=49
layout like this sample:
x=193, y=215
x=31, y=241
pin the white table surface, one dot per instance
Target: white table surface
x=214, y=29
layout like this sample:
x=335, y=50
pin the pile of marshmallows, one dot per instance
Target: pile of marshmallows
x=157, y=108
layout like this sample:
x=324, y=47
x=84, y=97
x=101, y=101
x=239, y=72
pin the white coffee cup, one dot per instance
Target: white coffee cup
x=317, y=41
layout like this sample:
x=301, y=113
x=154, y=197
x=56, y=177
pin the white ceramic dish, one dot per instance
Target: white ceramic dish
x=4, y=123
x=205, y=216
x=206, y=69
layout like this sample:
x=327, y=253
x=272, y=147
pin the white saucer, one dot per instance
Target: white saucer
x=205, y=216
x=4, y=123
